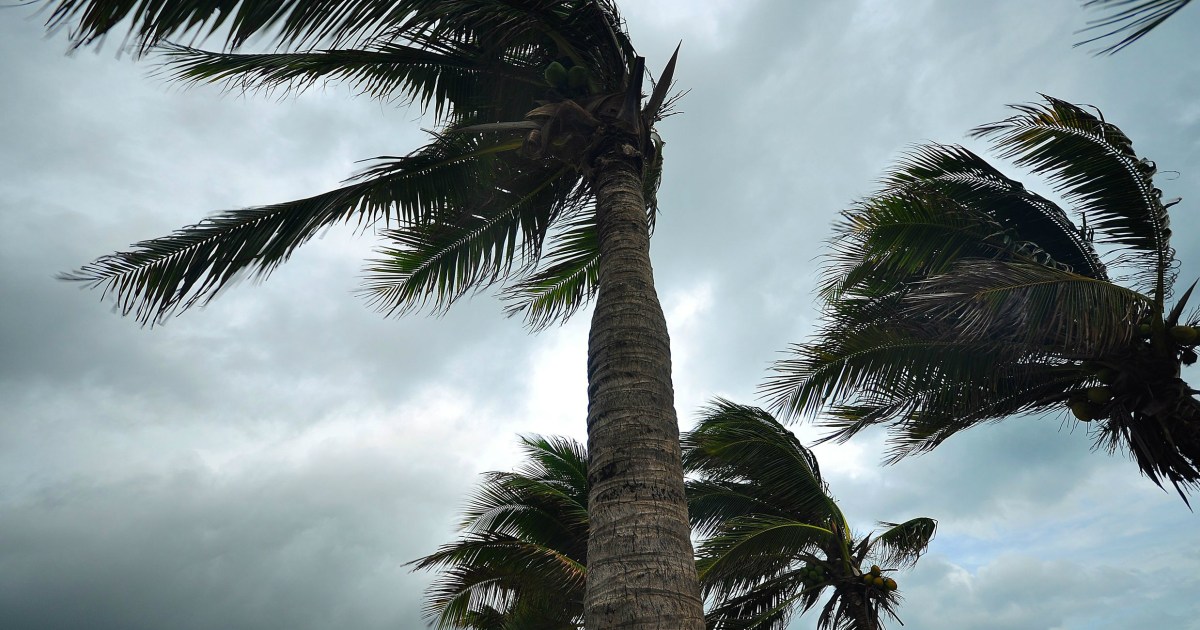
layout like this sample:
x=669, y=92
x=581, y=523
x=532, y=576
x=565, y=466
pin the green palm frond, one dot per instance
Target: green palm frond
x=1134, y=18
x=1092, y=164
x=1034, y=305
x=477, y=244
x=902, y=544
x=565, y=281
x=453, y=76
x=752, y=548
x=740, y=444
x=521, y=558
x=1023, y=216
x=161, y=276
x=764, y=555
x=769, y=606
x=493, y=570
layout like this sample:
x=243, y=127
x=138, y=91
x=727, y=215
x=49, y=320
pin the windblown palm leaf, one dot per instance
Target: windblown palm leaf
x=775, y=541
x=955, y=296
x=520, y=562
x=1131, y=18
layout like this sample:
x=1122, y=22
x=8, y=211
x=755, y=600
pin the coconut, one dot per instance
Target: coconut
x=1084, y=410
x=1184, y=335
x=1099, y=395
x=1108, y=376
x=875, y=570
x=1145, y=330
x=556, y=75
x=577, y=78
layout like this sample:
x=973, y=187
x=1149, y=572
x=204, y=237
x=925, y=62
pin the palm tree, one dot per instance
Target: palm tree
x=955, y=296
x=520, y=562
x=541, y=180
x=775, y=538
x=1134, y=18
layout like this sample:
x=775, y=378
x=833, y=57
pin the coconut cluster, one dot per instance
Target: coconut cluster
x=572, y=82
x=813, y=575
x=1093, y=403
x=875, y=579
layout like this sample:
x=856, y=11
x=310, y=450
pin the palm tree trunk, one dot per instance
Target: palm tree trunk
x=641, y=570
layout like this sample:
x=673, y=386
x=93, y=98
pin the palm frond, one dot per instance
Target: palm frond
x=770, y=605
x=457, y=77
x=488, y=569
x=1133, y=18
x=521, y=559
x=902, y=544
x=742, y=444
x=1092, y=164
x=753, y=548
x=476, y=245
x=566, y=280
x=1022, y=303
x=161, y=276
x=1024, y=216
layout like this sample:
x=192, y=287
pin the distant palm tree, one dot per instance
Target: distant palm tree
x=955, y=296
x=541, y=179
x=774, y=538
x=1134, y=18
x=521, y=562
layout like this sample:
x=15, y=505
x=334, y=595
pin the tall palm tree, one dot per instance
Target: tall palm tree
x=520, y=562
x=956, y=296
x=1131, y=18
x=775, y=539
x=541, y=180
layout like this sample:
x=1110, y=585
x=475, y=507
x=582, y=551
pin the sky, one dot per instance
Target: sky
x=274, y=459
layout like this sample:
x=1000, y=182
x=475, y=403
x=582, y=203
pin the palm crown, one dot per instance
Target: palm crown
x=499, y=194
x=520, y=562
x=955, y=296
x=774, y=539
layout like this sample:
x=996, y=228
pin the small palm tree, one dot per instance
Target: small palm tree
x=1134, y=18
x=520, y=564
x=540, y=180
x=775, y=540
x=955, y=296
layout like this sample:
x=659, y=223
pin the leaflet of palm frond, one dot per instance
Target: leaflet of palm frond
x=738, y=443
x=1092, y=164
x=1024, y=303
x=752, y=548
x=903, y=543
x=498, y=232
x=159, y=277
x=456, y=80
x=564, y=281
x=769, y=605
x=1024, y=216
x=1136, y=20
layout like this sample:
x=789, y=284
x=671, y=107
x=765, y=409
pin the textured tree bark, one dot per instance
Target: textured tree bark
x=641, y=570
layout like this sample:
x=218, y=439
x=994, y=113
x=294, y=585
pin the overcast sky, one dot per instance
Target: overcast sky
x=273, y=460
